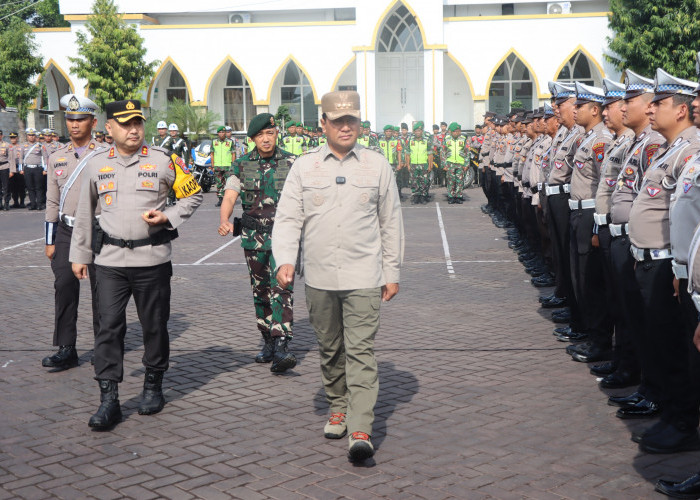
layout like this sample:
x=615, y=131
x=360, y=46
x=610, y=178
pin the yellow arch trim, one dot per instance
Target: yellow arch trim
x=385, y=14
x=279, y=70
x=230, y=59
x=464, y=72
x=498, y=65
x=592, y=59
x=340, y=73
x=51, y=62
x=168, y=60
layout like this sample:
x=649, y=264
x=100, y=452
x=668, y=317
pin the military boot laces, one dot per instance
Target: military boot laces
x=152, y=400
x=109, y=413
x=268, y=350
x=66, y=357
x=282, y=359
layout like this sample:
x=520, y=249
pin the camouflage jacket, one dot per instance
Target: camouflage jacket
x=262, y=180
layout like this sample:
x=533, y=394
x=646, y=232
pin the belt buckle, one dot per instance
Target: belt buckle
x=128, y=244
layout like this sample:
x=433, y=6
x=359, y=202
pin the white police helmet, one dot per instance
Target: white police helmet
x=173, y=126
x=162, y=124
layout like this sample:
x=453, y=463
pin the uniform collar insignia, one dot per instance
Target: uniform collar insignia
x=111, y=153
x=144, y=150
x=91, y=146
x=70, y=147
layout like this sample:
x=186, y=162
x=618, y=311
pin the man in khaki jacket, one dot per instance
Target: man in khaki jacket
x=342, y=200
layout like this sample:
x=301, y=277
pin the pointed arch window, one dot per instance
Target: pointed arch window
x=238, y=100
x=298, y=96
x=512, y=81
x=400, y=33
x=177, y=89
x=578, y=69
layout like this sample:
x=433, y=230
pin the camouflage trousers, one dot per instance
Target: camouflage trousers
x=273, y=304
x=420, y=180
x=455, y=179
x=221, y=174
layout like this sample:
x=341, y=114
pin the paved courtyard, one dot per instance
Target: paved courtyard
x=477, y=399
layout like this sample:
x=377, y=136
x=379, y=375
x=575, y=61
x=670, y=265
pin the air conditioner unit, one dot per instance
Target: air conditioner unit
x=559, y=8
x=239, y=18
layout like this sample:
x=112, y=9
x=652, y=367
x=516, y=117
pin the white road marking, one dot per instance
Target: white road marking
x=216, y=251
x=7, y=363
x=445, y=246
x=21, y=244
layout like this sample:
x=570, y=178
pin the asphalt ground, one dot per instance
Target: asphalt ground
x=477, y=399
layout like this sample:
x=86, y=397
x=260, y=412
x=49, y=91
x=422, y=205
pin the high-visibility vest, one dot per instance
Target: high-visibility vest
x=251, y=145
x=364, y=140
x=293, y=145
x=389, y=150
x=322, y=140
x=222, y=152
x=454, y=146
x=419, y=151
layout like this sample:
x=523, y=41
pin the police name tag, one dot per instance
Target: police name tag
x=340, y=180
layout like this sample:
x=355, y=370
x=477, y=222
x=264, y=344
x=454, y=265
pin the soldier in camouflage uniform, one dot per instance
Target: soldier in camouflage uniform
x=222, y=155
x=259, y=177
x=455, y=154
x=419, y=154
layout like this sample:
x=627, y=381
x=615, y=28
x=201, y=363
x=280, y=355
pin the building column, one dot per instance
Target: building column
x=365, y=68
x=479, y=110
x=433, y=87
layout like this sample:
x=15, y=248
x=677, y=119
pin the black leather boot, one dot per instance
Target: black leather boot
x=66, y=357
x=109, y=413
x=218, y=203
x=152, y=400
x=268, y=350
x=282, y=359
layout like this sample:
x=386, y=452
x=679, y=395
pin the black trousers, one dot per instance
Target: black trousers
x=558, y=225
x=587, y=280
x=5, y=187
x=685, y=409
x=18, y=188
x=67, y=291
x=150, y=287
x=33, y=177
x=629, y=349
x=663, y=330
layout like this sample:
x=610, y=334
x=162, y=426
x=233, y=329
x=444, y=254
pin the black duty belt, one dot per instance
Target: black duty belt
x=159, y=238
x=254, y=224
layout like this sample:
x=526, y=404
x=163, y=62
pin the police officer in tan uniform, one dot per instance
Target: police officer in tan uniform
x=33, y=156
x=64, y=177
x=6, y=170
x=342, y=199
x=132, y=250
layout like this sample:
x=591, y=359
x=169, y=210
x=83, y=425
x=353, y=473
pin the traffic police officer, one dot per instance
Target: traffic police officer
x=161, y=140
x=131, y=249
x=179, y=145
x=64, y=177
x=33, y=156
x=258, y=177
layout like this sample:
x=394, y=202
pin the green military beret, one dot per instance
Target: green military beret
x=220, y=129
x=299, y=124
x=397, y=128
x=365, y=124
x=454, y=126
x=260, y=122
x=290, y=123
x=388, y=127
x=417, y=125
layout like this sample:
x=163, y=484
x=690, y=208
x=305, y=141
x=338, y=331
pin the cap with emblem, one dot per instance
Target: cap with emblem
x=527, y=118
x=123, y=111
x=260, y=122
x=30, y=131
x=341, y=103
x=548, y=111
x=46, y=131
x=614, y=91
x=667, y=85
x=99, y=133
x=489, y=114
x=564, y=92
x=418, y=125
x=13, y=134
x=227, y=128
x=550, y=86
x=77, y=107
x=454, y=126
x=173, y=126
x=636, y=85
x=587, y=93
x=538, y=113
x=162, y=124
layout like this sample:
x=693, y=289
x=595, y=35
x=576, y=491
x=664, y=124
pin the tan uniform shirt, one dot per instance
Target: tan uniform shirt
x=588, y=159
x=509, y=156
x=649, y=226
x=522, y=149
x=694, y=264
x=62, y=163
x=538, y=172
x=348, y=214
x=485, y=151
x=5, y=156
x=13, y=156
x=33, y=154
x=125, y=188
x=641, y=153
x=684, y=212
x=525, y=167
x=614, y=158
x=561, y=160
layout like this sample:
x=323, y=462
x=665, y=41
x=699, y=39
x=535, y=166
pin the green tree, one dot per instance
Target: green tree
x=41, y=14
x=282, y=116
x=650, y=34
x=196, y=121
x=19, y=64
x=111, y=56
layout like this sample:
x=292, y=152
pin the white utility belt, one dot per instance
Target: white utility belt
x=680, y=271
x=619, y=229
x=581, y=204
x=696, y=299
x=601, y=219
x=642, y=254
x=67, y=220
x=558, y=189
